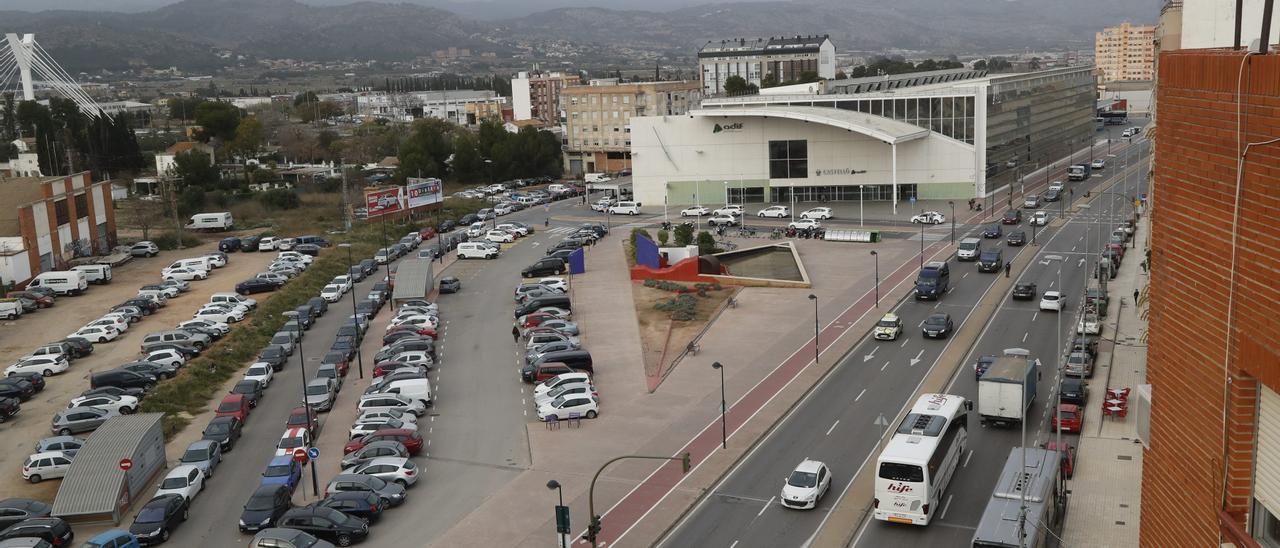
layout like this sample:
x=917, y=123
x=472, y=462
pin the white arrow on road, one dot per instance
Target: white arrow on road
x=916, y=359
x=1081, y=263
x=535, y=244
x=1044, y=262
x=870, y=356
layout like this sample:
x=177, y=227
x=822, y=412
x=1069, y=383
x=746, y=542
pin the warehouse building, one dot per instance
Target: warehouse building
x=943, y=135
x=97, y=488
x=51, y=220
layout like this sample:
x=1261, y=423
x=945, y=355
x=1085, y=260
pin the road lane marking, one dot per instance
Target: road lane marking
x=966, y=275
x=864, y=391
x=1024, y=336
x=766, y=506
x=904, y=343
x=735, y=543
x=1034, y=316
x=946, y=506
x=886, y=364
x=966, y=459
x=833, y=426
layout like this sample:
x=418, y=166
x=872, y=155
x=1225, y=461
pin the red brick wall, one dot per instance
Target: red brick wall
x=1200, y=427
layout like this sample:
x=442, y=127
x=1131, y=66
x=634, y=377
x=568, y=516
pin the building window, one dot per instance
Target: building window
x=1266, y=528
x=82, y=206
x=789, y=159
x=61, y=212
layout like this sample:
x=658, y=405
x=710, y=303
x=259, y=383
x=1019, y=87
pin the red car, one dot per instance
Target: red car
x=424, y=331
x=1068, y=457
x=535, y=319
x=427, y=233
x=1118, y=248
x=1012, y=217
x=1071, y=417
x=411, y=440
x=339, y=360
x=388, y=367
x=42, y=301
x=233, y=405
x=298, y=418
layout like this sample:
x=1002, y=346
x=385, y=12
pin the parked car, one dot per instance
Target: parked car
x=394, y=469
x=159, y=517
x=204, y=455
x=79, y=419
x=256, y=285
x=185, y=480
x=53, y=531
x=326, y=523
x=224, y=430
x=283, y=470
x=144, y=248
x=16, y=510
x=392, y=493
x=373, y=450
x=360, y=504
x=47, y=465
x=265, y=506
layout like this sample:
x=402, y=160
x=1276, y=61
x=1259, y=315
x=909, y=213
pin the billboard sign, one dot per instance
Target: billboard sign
x=423, y=192
x=383, y=201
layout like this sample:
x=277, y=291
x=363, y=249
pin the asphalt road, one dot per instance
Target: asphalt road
x=476, y=431
x=835, y=423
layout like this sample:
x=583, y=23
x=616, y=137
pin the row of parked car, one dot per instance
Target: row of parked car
x=308, y=245
x=554, y=359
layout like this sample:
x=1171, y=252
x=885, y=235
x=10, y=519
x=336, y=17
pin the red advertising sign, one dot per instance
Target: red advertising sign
x=383, y=202
x=126, y=464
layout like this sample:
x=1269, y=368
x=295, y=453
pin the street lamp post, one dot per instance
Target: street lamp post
x=562, y=514
x=876, y=256
x=1058, y=379
x=302, y=362
x=952, y=203
x=724, y=409
x=922, y=243
x=593, y=530
x=359, y=360
x=814, y=298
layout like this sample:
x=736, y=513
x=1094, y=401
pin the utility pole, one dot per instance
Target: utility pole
x=172, y=196
x=346, y=197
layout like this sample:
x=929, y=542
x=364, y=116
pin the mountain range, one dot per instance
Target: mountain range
x=190, y=34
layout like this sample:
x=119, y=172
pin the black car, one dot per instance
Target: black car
x=467, y=219
x=319, y=305
x=15, y=392
x=1024, y=291
x=450, y=284
x=250, y=243
x=308, y=249
x=51, y=530
x=984, y=363
x=1016, y=238
x=274, y=355
x=567, y=244
x=224, y=430
x=326, y=523
x=147, y=306
x=369, y=266
x=346, y=344
x=993, y=230
x=360, y=504
x=115, y=391
x=356, y=273
x=80, y=346
x=1012, y=217
x=350, y=330
x=562, y=254
x=990, y=260
x=229, y=244
x=210, y=332
x=599, y=229
x=546, y=266
x=122, y=379
x=16, y=510
x=37, y=380
x=367, y=308
x=251, y=390
x=256, y=285
x=8, y=408
x=158, y=518
x=937, y=326
x=1074, y=390
x=151, y=368
x=265, y=506
x=131, y=313
x=1052, y=195
x=24, y=387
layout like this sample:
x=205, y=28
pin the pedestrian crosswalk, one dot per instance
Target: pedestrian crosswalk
x=562, y=230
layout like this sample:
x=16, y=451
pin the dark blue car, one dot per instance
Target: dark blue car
x=992, y=231
x=229, y=244
x=283, y=470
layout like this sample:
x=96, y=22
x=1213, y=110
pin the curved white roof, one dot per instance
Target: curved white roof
x=878, y=127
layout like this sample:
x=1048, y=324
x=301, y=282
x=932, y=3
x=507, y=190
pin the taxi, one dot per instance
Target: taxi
x=888, y=328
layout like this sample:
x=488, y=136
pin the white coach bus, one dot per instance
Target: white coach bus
x=915, y=467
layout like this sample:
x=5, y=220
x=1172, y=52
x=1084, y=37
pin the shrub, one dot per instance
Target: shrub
x=279, y=198
x=663, y=237
x=682, y=307
x=684, y=235
x=666, y=285
x=706, y=243
x=635, y=233
x=168, y=242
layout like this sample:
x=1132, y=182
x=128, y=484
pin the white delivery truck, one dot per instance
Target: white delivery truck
x=1007, y=388
x=62, y=282
x=211, y=221
x=596, y=178
x=95, y=273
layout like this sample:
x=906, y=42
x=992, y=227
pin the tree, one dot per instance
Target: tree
x=808, y=77
x=840, y=75
x=706, y=243
x=194, y=170
x=467, y=164
x=1034, y=64
x=217, y=120
x=184, y=108
x=248, y=139
x=142, y=215
x=305, y=97
x=980, y=64
x=769, y=81
x=491, y=133
x=684, y=235
x=320, y=110
x=737, y=85
x=424, y=153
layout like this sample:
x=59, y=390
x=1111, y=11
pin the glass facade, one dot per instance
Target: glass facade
x=1035, y=119
x=789, y=159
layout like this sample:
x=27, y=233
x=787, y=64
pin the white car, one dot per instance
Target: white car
x=342, y=282
x=261, y=372
x=821, y=213
x=121, y=316
x=1040, y=218
x=1089, y=327
x=726, y=220
x=331, y=293
x=186, y=480
x=555, y=283
x=402, y=416
x=929, y=218
x=294, y=438
x=1057, y=185
x=267, y=244
x=98, y=334
x=216, y=260
x=184, y=274
x=295, y=256
x=120, y=324
x=800, y=224
x=1051, y=300
x=1129, y=132
x=122, y=404
x=220, y=327
x=180, y=285
x=776, y=212
x=168, y=291
x=50, y=464
x=567, y=389
x=806, y=485
x=218, y=314
x=369, y=425
x=43, y=365
x=558, y=380
x=1099, y=164
x=731, y=209
x=419, y=321
x=499, y=237
x=585, y=405
x=694, y=211
x=390, y=469
x=167, y=357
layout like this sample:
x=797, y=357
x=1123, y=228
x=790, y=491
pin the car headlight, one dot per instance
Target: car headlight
x=265, y=520
x=242, y=523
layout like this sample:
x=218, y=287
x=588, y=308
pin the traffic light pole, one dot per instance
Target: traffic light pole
x=593, y=527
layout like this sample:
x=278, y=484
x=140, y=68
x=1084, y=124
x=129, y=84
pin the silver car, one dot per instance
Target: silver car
x=320, y=394
x=377, y=449
x=392, y=469
x=283, y=340
x=203, y=454
x=79, y=419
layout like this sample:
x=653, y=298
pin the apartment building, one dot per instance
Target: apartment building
x=784, y=57
x=536, y=95
x=1125, y=53
x=465, y=107
x=598, y=119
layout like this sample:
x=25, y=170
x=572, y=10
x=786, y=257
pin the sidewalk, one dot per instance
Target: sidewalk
x=1106, y=491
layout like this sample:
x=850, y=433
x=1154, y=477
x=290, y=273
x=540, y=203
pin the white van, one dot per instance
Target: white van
x=476, y=250
x=596, y=178
x=559, y=189
x=211, y=221
x=969, y=249
x=625, y=208
x=62, y=282
x=95, y=273
x=194, y=263
x=10, y=309
x=528, y=200
x=414, y=389
x=477, y=229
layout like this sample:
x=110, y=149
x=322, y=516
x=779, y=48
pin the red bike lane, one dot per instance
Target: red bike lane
x=619, y=519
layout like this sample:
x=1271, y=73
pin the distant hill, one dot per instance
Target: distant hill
x=190, y=34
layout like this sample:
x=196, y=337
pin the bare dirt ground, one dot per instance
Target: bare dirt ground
x=67, y=315
x=658, y=332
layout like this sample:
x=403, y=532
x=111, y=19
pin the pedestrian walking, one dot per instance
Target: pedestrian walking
x=515, y=333
x=1006, y=269
x=1136, y=294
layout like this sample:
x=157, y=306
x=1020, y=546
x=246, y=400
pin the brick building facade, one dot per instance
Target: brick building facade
x=51, y=220
x=1214, y=354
